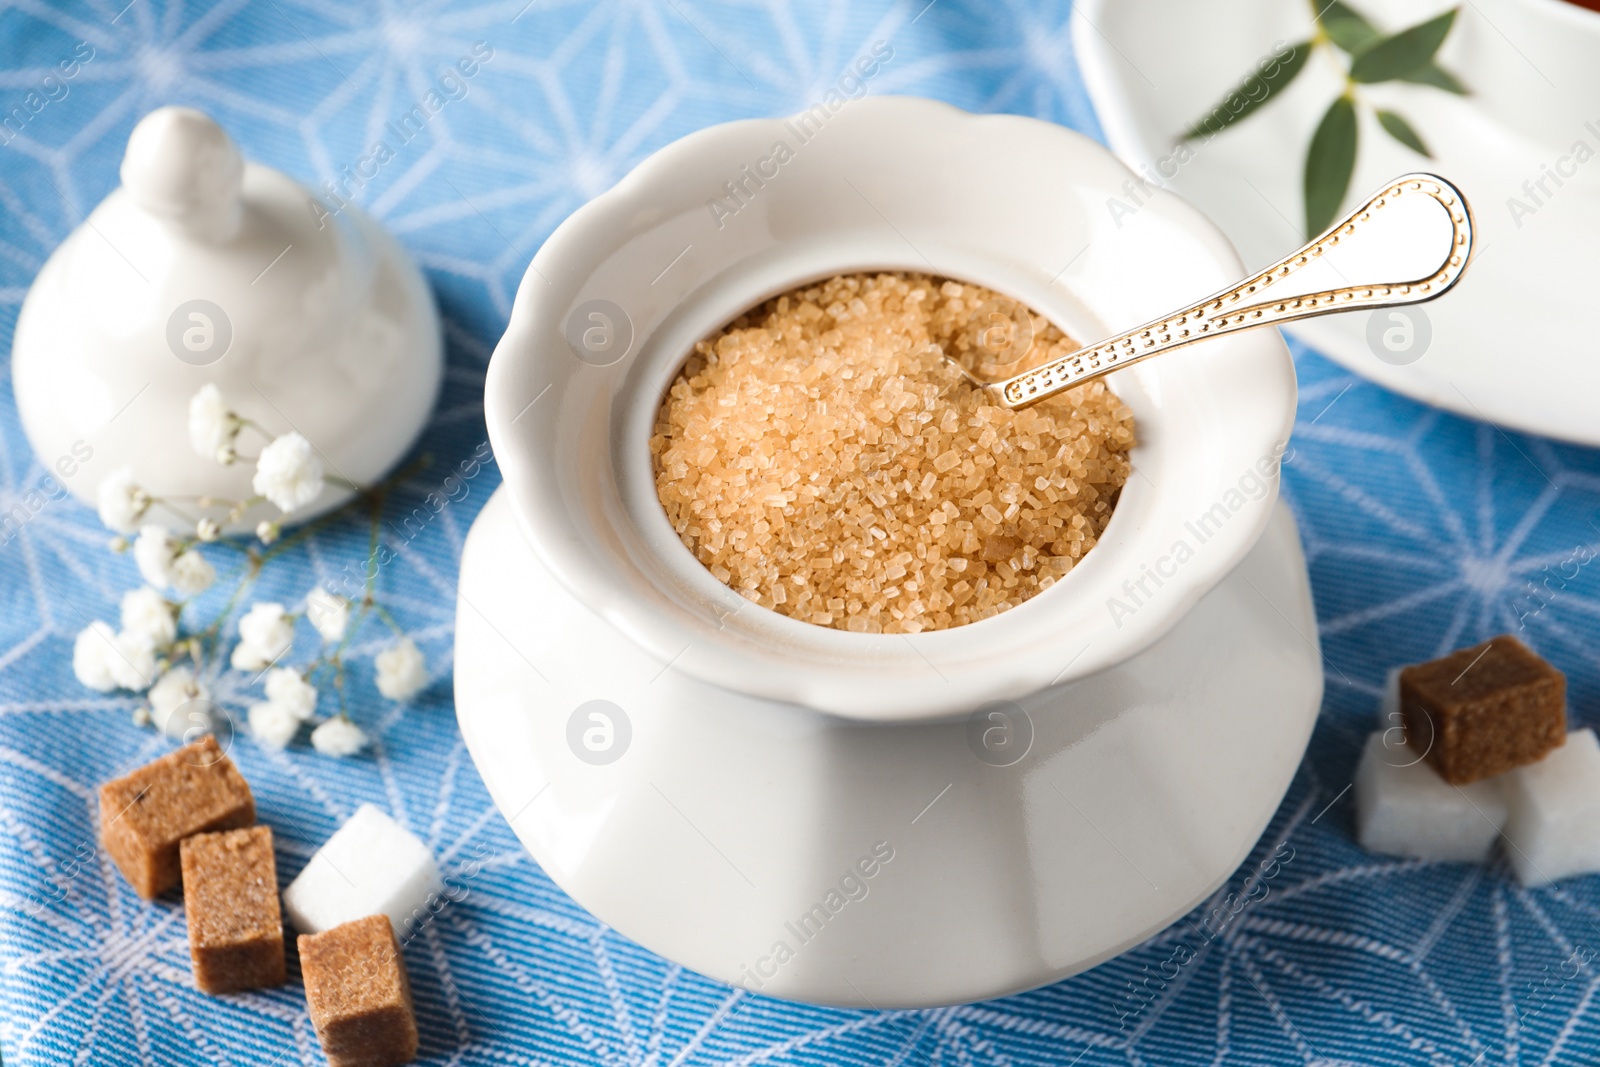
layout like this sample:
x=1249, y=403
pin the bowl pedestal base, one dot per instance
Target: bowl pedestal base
x=899, y=865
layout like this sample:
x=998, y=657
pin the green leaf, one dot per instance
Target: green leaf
x=1346, y=27
x=1401, y=131
x=1395, y=57
x=1258, y=87
x=1436, y=76
x=1329, y=163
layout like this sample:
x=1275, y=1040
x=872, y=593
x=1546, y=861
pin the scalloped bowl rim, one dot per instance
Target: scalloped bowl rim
x=584, y=497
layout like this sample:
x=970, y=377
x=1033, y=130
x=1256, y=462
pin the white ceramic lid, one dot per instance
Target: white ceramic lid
x=203, y=268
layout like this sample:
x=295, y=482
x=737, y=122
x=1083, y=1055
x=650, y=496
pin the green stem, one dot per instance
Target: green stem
x=213, y=632
x=196, y=646
x=282, y=545
x=251, y=424
x=374, y=527
x=338, y=685
x=389, y=619
x=375, y=501
x=229, y=542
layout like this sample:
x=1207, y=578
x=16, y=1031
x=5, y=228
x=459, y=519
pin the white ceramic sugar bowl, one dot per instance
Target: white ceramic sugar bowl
x=205, y=268
x=881, y=820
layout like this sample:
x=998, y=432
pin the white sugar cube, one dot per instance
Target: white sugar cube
x=371, y=866
x=1403, y=807
x=1554, y=827
x=1389, y=707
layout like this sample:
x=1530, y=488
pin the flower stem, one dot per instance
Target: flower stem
x=389, y=620
x=213, y=632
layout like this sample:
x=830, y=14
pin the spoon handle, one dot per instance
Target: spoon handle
x=1234, y=309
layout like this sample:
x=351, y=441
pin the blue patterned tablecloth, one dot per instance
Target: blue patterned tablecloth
x=1424, y=532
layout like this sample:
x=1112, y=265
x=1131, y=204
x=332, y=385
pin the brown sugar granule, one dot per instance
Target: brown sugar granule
x=145, y=814
x=821, y=457
x=1484, y=710
x=230, y=900
x=359, y=995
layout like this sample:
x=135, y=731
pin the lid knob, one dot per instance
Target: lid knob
x=182, y=167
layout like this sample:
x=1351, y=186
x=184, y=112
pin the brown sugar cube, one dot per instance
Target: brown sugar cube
x=359, y=995
x=144, y=815
x=230, y=899
x=1484, y=710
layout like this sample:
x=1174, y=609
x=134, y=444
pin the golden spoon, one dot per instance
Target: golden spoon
x=1232, y=309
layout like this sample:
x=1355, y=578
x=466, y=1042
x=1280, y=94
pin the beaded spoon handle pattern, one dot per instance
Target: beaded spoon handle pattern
x=1232, y=309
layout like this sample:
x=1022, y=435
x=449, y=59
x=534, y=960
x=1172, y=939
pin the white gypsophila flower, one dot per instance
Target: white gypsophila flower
x=147, y=615
x=402, y=671
x=132, y=661
x=267, y=531
x=192, y=573
x=212, y=426
x=338, y=737
x=122, y=503
x=179, y=703
x=91, y=656
x=328, y=612
x=208, y=529
x=265, y=634
x=246, y=657
x=291, y=692
x=289, y=473
x=273, y=724
x=154, y=552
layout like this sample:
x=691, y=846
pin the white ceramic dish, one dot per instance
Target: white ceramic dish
x=1011, y=203
x=1152, y=68
x=726, y=819
x=203, y=268
x=1021, y=797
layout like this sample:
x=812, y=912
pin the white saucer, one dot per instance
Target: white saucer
x=1512, y=344
x=707, y=826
